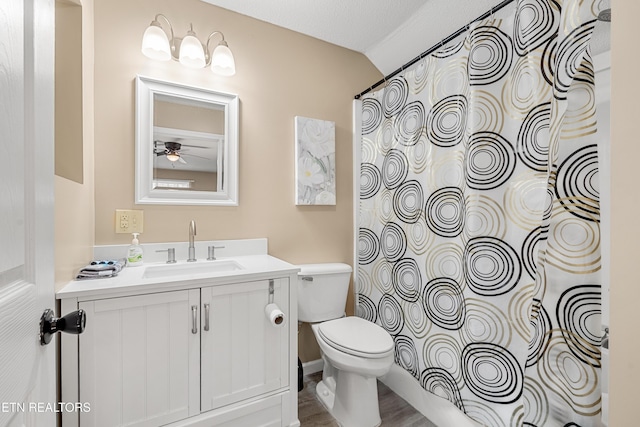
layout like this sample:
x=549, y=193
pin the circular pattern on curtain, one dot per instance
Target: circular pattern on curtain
x=366, y=309
x=407, y=280
x=390, y=314
x=491, y=266
x=393, y=242
x=533, y=138
x=440, y=382
x=492, y=372
x=447, y=120
x=408, y=200
x=485, y=322
x=534, y=23
x=577, y=184
x=444, y=303
x=443, y=351
x=540, y=336
x=490, y=55
x=395, y=96
x=409, y=124
x=394, y=169
x=370, y=180
x=445, y=212
x=578, y=315
x=368, y=248
x=490, y=161
x=570, y=53
x=406, y=355
x=371, y=115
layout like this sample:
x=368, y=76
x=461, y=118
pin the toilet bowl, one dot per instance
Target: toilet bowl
x=355, y=351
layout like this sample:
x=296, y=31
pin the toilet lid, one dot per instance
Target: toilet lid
x=356, y=336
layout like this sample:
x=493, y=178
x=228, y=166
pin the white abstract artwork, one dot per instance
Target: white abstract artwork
x=315, y=161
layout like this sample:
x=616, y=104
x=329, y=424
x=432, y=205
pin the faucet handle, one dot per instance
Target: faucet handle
x=171, y=255
x=212, y=252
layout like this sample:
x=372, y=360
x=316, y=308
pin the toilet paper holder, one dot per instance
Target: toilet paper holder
x=272, y=290
x=272, y=311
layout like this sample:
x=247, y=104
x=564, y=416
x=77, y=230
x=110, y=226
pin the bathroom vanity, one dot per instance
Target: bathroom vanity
x=185, y=344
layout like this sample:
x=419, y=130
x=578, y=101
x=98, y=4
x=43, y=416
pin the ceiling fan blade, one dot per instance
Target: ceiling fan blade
x=204, y=147
x=181, y=160
x=193, y=155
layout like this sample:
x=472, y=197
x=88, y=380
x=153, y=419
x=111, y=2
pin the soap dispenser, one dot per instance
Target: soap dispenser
x=134, y=254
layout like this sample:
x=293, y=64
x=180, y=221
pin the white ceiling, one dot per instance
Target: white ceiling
x=389, y=32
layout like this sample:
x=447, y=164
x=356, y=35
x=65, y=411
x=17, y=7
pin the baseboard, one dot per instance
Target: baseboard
x=439, y=411
x=312, y=366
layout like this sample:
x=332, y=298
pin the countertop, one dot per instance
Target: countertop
x=133, y=280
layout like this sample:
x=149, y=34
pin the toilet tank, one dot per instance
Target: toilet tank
x=322, y=291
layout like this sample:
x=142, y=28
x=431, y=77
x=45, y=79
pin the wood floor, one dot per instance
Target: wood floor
x=394, y=411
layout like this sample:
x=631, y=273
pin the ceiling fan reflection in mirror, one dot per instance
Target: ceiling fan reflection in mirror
x=174, y=151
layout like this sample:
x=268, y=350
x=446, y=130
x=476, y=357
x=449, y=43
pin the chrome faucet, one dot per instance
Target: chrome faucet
x=192, y=248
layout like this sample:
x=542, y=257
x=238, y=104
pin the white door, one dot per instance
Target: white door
x=27, y=369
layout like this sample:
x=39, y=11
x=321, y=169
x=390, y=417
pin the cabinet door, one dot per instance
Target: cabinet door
x=139, y=359
x=243, y=355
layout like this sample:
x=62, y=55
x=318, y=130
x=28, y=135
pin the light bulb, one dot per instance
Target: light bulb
x=155, y=44
x=222, y=61
x=191, y=52
x=173, y=156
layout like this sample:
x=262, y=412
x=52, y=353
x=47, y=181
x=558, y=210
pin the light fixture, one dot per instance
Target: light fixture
x=173, y=156
x=189, y=51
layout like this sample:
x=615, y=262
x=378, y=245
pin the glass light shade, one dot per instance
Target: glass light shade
x=191, y=52
x=155, y=44
x=222, y=61
x=173, y=156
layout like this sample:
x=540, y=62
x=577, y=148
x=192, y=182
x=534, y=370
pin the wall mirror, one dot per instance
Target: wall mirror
x=186, y=145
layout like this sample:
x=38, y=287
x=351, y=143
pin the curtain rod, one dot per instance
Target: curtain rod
x=435, y=47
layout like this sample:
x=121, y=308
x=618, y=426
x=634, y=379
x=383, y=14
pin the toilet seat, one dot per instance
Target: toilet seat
x=357, y=337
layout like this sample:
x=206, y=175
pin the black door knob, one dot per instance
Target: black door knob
x=72, y=323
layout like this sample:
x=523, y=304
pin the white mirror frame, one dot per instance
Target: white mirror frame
x=146, y=88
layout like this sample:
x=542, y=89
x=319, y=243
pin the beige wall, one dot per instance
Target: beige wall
x=74, y=202
x=186, y=117
x=625, y=206
x=68, y=91
x=280, y=74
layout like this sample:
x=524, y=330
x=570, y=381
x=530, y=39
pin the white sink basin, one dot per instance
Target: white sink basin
x=199, y=267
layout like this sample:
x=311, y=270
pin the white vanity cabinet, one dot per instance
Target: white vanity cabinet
x=242, y=353
x=191, y=353
x=139, y=360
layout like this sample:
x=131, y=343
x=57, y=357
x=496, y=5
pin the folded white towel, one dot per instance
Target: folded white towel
x=101, y=269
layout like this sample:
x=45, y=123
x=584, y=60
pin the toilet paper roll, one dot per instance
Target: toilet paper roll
x=275, y=315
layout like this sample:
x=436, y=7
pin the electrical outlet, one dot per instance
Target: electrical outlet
x=129, y=221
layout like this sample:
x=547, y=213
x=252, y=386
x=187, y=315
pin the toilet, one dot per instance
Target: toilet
x=355, y=351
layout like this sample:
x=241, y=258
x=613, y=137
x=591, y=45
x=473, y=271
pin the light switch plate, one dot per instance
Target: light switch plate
x=129, y=221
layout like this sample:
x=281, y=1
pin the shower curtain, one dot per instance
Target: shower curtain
x=478, y=236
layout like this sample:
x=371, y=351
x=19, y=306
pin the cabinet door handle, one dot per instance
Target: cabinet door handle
x=206, y=317
x=194, y=319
